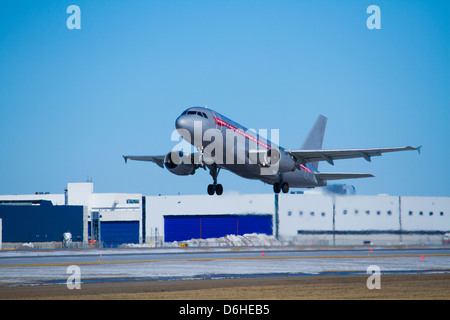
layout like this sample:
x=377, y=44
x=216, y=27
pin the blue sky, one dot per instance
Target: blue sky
x=72, y=102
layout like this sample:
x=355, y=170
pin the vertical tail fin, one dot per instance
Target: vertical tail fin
x=314, y=139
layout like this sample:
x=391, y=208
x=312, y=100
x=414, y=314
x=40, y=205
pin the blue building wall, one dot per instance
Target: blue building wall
x=115, y=233
x=180, y=228
x=40, y=223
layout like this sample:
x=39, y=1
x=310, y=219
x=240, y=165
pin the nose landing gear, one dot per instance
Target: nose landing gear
x=215, y=187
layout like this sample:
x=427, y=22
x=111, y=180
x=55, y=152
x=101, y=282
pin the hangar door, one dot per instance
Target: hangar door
x=180, y=228
x=115, y=233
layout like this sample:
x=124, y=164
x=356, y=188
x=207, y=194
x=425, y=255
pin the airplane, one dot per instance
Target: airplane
x=225, y=144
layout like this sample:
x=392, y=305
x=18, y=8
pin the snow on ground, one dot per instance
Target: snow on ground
x=246, y=240
x=186, y=267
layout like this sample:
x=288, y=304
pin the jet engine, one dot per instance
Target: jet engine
x=179, y=164
x=275, y=157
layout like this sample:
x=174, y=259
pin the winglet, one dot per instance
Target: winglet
x=414, y=148
x=125, y=158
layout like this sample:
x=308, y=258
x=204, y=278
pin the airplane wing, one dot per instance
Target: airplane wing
x=340, y=176
x=159, y=160
x=305, y=156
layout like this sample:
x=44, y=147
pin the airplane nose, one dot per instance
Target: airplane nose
x=181, y=122
x=184, y=126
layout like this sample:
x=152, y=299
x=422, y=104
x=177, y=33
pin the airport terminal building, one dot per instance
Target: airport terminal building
x=313, y=218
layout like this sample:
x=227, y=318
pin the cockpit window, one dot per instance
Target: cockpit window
x=198, y=113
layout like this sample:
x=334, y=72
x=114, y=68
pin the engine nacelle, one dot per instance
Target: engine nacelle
x=279, y=160
x=179, y=164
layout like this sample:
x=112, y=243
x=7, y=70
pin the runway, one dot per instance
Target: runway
x=25, y=268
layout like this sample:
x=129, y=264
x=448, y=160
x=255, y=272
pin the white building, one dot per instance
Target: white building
x=312, y=218
x=304, y=219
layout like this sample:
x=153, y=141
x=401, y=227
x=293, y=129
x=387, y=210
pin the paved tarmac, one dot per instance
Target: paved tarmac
x=106, y=265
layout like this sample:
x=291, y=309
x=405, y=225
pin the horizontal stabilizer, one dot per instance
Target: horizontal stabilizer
x=340, y=176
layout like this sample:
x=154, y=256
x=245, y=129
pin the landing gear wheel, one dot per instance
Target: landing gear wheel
x=214, y=188
x=285, y=187
x=219, y=189
x=276, y=187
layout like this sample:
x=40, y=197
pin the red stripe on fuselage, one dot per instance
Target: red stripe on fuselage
x=305, y=168
x=222, y=123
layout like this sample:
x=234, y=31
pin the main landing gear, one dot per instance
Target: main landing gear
x=215, y=187
x=283, y=186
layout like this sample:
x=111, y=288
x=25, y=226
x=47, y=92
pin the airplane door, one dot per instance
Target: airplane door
x=218, y=126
